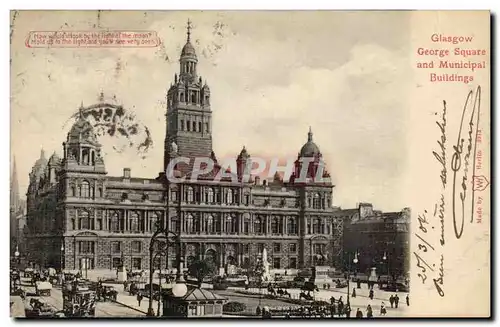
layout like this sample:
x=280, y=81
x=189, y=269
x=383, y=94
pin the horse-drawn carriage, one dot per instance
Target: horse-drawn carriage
x=79, y=303
x=43, y=288
x=28, y=272
x=40, y=309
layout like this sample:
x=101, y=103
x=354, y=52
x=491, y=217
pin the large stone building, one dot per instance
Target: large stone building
x=81, y=218
x=378, y=239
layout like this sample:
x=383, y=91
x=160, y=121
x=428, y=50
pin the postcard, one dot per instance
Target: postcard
x=250, y=164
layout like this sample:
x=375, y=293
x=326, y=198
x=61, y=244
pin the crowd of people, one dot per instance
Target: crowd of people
x=337, y=308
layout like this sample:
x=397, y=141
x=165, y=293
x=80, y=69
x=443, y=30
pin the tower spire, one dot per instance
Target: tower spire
x=14, y=188
x=310, y=135
x=189, y=30
x=80, y=110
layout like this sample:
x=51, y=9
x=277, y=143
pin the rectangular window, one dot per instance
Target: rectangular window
x=136, y=246
x=293, y=263
x=206, y=127
x=188, y=123
x=277, y=263
x=136, y=263
x=246, y=248
x=182, y=125
x=293, y=247
x=116, y=247
x=209, y=309
x=86, y=247
x=117, y=262
x=199, y=126
x=277, y=247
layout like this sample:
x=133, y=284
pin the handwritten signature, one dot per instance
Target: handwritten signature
x=460, y=169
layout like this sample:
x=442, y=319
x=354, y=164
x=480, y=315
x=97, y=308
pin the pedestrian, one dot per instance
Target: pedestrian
x=359, y=283
x=332, y=310
x=369, y=311
x=383, y=310
x=396, y=301
x=332, y=300
x=371, y=294
x=340, y=308
x=348, y=311
x=139, y=298
x=258, y=310
x=353, y=292
x=408, y=300
x=359, y=313
x=391, y=301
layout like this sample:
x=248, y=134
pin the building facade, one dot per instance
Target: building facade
x=81, y=218
x=378, y=239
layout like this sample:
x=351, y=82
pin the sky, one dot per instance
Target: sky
x=272, y=75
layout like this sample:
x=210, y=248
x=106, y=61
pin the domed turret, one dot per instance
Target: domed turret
x=54, y=160
x=310, y=149
x=82, y=131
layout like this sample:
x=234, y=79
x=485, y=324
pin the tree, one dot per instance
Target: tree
x=201, y=269
x=259, y=271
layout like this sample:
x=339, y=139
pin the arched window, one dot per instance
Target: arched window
x=72, y=190
x=210, y=225
x=317, y=226
x=257, y=226
x=99, y=192
x=153, y=218
x=114, y=223
x=316, y=201
x=190, y=225
x=275, y=225
x=229, y=196
x=134, y=222
x=84, y=220
x=85, y=190
x=190, y=195
x=209, y=195
x=246, y=224
x=231, y=224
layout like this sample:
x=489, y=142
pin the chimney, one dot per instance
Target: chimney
x=257, y=180
x=126, y=173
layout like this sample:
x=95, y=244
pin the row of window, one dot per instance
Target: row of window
x=134, y=223
x=84, y=190
x=89, y=263
x=89, y=247
x=213, y=225
x=318, y=202
x=210, y=196
x=193, y=126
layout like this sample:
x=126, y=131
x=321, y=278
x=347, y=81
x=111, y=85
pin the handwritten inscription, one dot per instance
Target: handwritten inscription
x=460, y=163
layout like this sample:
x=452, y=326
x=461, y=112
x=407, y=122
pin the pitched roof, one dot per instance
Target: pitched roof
x=199, y=294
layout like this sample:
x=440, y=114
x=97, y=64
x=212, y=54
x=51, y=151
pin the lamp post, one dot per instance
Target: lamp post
x=355, y=261
x=16, y=255
x=62, y=257
x=386, y=261
x=164, y=239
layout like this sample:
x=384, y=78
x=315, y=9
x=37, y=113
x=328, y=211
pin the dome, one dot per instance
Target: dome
x=54, y=160
x=82, y=130
x=309, y=149
x=188, y=50
x=41, y=162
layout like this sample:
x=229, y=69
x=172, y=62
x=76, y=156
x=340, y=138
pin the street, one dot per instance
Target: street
x=103, y=309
